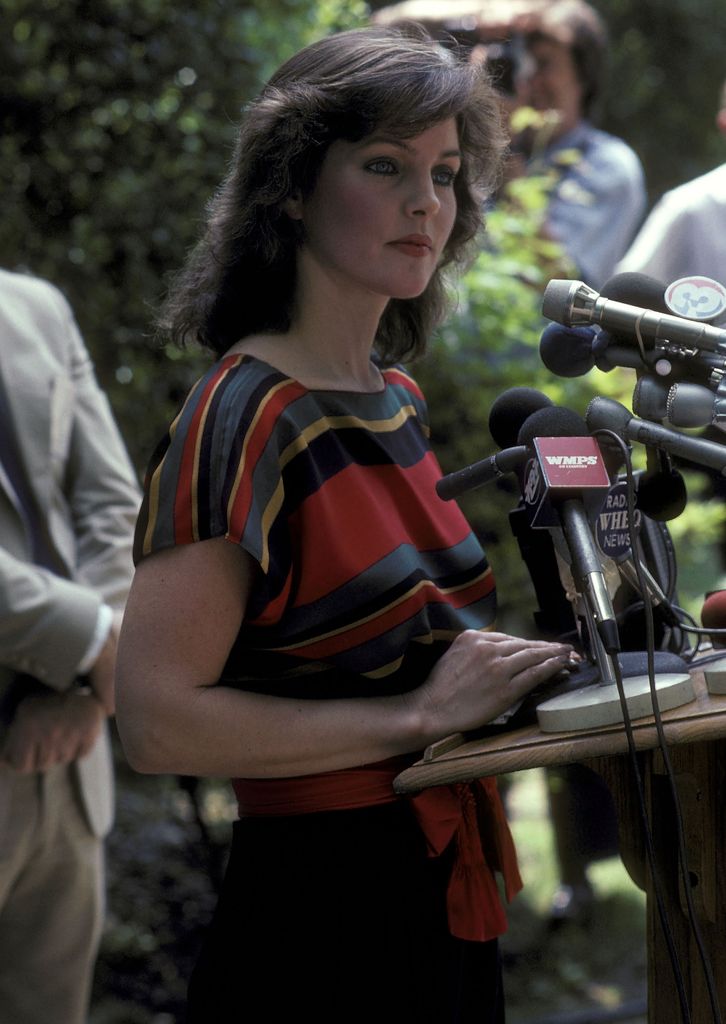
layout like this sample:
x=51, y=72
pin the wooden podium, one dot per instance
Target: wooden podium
x=696, y=737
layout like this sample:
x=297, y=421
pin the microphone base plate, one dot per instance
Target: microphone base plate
x=715, y=676
x=598, y=704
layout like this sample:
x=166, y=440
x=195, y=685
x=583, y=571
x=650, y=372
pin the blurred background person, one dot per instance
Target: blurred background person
x=598, y=195
x=685, y=233
x=68, y=505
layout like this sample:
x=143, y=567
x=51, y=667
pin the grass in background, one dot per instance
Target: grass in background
x=599, y=966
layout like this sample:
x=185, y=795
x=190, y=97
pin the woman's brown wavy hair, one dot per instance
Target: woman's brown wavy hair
x=240, y=278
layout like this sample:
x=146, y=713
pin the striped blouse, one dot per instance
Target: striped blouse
x=366, y=575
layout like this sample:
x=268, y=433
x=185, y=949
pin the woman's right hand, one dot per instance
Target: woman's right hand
x=482, y=675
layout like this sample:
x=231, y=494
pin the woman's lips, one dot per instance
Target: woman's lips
x=413, y=245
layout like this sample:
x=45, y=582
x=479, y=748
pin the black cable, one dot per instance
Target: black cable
x=677, y=610
x=663, y=746
x=670, y=552
x=700, y=630
x=632, y=750
x=650, y=849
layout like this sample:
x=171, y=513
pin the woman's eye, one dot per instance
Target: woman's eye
x=444, y=176
x=381, y=166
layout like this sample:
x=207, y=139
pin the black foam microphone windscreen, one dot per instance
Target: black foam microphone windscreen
x=509, y=411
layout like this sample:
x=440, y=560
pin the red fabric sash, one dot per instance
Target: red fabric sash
x=469, y=813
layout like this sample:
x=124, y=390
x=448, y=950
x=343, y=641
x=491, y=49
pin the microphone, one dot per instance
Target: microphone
x=566, y=465
x=574, y=351
x=570, y=462
x=554, y=615
x=509, y=411
x=713, y=615
x=683, y=404
x=636, y=289
x=607, y=414
x=573, y=303
x=661, y=491
x=479, y=473
x=507, y=414
x=613, y=539
x=569, y=351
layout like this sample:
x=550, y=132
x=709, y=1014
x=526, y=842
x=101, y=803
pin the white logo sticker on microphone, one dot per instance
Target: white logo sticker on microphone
x=697, y=298
x=532, y=483
x=572, y=461
x=612, y=531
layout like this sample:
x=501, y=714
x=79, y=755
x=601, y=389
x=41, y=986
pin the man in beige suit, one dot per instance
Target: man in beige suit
x=68, y=502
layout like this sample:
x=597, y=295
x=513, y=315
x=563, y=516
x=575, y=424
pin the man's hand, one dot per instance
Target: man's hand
x=50, y=729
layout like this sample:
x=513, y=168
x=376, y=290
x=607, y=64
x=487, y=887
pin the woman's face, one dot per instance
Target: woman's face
x=381, y=211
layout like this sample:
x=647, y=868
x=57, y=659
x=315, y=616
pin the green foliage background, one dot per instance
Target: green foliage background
x=118, y=118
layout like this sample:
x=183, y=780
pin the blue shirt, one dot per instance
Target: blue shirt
x=597, y=203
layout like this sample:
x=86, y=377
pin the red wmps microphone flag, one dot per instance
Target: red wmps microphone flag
x=564, y=467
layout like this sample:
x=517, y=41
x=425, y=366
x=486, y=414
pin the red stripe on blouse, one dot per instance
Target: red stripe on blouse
x=257, y=439
x=364, y=513
x=185, y=501
x=396, y=376
x=381, y=623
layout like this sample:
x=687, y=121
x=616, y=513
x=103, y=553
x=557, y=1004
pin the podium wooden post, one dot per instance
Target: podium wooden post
x=696, y=736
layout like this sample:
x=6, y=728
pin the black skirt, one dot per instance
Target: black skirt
x=339, y=917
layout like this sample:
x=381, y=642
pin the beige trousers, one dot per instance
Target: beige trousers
x=51, y=900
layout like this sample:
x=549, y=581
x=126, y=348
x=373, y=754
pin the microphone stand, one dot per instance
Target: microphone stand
x=598, y=702
x=601, y=657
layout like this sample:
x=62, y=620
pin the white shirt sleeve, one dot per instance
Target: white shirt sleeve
x=99, y=638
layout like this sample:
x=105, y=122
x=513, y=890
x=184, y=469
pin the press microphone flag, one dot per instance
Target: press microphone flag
x=562, y=467
x=567, y=469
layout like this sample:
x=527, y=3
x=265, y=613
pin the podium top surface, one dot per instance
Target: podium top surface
x=461, y=759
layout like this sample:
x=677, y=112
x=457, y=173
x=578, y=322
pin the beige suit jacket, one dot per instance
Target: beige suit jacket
x=81, y=475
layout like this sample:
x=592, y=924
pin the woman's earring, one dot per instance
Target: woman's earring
x=293, y=206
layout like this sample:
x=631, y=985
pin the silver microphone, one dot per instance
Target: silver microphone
x=683, y=404
x=573, y=303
